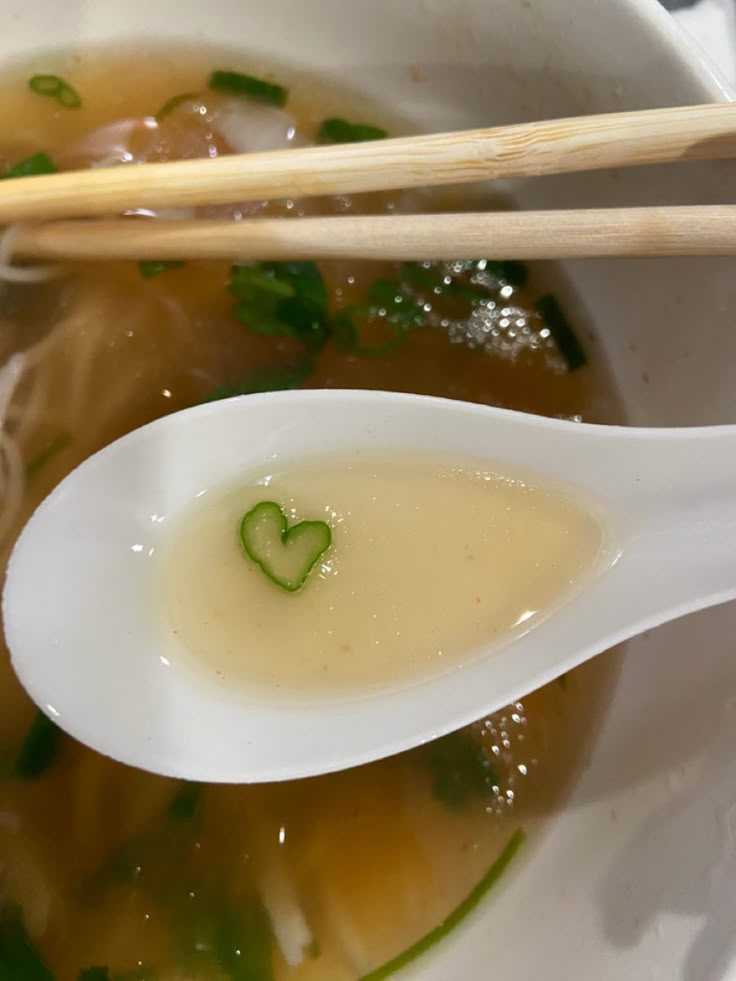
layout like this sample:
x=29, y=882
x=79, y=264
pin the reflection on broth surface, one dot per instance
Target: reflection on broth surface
x=326, y=878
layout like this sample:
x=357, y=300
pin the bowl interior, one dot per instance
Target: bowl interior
x=645, y=837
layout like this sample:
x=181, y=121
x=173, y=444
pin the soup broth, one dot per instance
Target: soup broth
x=428, y=564
x=323, y=879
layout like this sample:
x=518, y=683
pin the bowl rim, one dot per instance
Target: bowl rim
x=653, y=16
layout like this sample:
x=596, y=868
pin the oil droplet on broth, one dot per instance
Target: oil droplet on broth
x=429, y=564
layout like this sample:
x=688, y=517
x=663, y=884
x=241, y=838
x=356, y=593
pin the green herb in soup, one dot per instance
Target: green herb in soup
x=37, y=163
x=236, y=83
x=378, y=325
x=172, y=104
x=563, y=335
x=456, y=917
x=111, y=874
x=19, y=959
x=185, y=805
x=56, y=88
x=39, y=748
x=231, y=940
x=282, y=299
x=289, y=299
x=336, y=130
x=459, y=767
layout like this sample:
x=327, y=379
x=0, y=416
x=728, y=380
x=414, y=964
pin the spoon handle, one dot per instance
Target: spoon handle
x=671, y=498
x=684, y=490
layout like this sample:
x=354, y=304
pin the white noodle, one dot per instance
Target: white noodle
x=347, y=936
x=19, y=274
x=184, y=328
x=12, y=474
x=10, y=374
x=277, y=890
x=290, y=927
x=12, y=481
x=21, y=418
x=15, y=421
x=88, y=331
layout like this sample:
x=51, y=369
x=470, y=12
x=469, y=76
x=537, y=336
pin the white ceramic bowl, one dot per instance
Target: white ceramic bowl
x=637, y=878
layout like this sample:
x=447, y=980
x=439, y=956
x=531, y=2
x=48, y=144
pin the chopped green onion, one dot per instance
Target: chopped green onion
x=304, y=277
x=459, y=767
x=173, y=103
x=39, y=749
x=561, y=332
x=186, y=803
x=235, y=83
x=275, y=380
x=335, y=130
x=19, y=959
x=372, y=331
x=248, y=281
x=285, y=555
x=282, y=279
x=37, y=163
x=56, y=88
x=391, y=302
x=282, y=299
x=94, y=974
x=54, y=446
x=386, y=305
x=290, y=319
x=289, y=299
x=352, y=325
x=466, y=907
x=154, y=267
x=142, y=858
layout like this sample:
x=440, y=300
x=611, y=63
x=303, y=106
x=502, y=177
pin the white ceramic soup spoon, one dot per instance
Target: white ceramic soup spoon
x=84, y=637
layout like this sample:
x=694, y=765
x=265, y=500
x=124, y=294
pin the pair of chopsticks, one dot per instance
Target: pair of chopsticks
x=577, y=144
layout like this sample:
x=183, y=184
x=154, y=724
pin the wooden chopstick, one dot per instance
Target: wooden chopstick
x=558, y=146
x=685, y=230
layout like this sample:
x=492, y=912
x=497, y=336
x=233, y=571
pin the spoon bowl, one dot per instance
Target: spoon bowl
x=82, y=625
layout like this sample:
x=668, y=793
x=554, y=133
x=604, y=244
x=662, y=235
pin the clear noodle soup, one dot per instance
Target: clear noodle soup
x=432, y=561
x=327, y=879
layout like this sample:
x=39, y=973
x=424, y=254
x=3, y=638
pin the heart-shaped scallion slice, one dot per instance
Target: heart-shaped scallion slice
x=286, y=555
